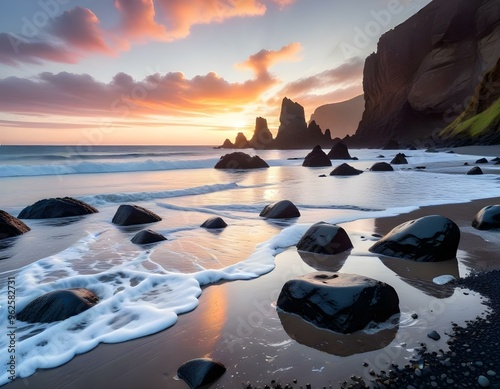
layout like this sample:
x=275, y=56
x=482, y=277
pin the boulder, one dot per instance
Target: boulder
x=240, y=160
x=317, y=158
x=482, y=160
x=58, y=305
x=11, y=226
x=214, y=223
x=345, y=170
x=476, y=170
x=147, y=237
x=339, y=151
x=128, y=215
x=325, y=238
x=496, y=159
x=339, y=302
x=487, y=218
x=56, y=207
x=399, y=159
x=427, y=239
x=381, y=167
x=283, y=209
x=200, y=372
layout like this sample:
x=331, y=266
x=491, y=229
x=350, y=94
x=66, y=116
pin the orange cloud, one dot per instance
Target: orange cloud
x=138, y=19
x=260, y=62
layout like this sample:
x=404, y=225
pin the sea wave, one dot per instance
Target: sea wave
x=103, y=167
x=114, y=198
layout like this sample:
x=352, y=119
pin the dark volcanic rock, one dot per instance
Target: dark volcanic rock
x=476, y=170
x=240, y=160
x=128, y=215
x=147, y=237
x=345, y=170
x=56, y=207
x=381, y=167
x=200, y=372
x=317, y=158
x=487, y=218
x=399, y=159
x=325, y=238
x=339, y=151
x=392, y=144
x=340, y=302
x=426, y=69
x=283, y=209
x=214, y=223
x=58, y=305
x=294, y=133
x=11, y=226
x=432, y=238
x=482, y=160
x=262, y=137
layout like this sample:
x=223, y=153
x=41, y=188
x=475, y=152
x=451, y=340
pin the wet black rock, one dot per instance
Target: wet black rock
x=399, y=159
x=200, y=372
x=381, y=167
x=345, y=170
x=476, y=170
x=339, y=151
x=482, y=160
x=434, y=335
x=283, y=209
x=317, y=158
x=487, y=218
x=128, y=215
x=147, y=237
x=240, y=160
x=339, y=302
x=11, y=226
x=55, y=208
x=58, y=305
x=325, y=238
x=214, y=222
x=432, y=238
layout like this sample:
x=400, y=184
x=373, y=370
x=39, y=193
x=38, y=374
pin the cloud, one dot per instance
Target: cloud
x=79, y=28
x=138, y=19
x=170, y=94
x=15, y=50
x=342, y=76
x=260, y=62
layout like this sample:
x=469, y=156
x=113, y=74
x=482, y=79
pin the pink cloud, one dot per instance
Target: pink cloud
x=138, y=19
x=15, y=50
x=79, y=28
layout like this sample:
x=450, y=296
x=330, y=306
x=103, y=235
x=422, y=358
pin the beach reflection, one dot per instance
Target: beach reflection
x=342, y=345
x=322, y=262
x=421, y=274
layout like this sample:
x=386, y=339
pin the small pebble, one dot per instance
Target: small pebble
x=491, y=373
x=483, y=381
x=434, y=335
x=414, y=316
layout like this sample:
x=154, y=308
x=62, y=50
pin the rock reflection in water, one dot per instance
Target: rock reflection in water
x=323, y=262
x=421, y=274
x=335, y=343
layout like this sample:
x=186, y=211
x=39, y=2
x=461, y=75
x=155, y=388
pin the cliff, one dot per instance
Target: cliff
x=480, y=122
x=426, y=70
x=294, y=133
x=341, y=118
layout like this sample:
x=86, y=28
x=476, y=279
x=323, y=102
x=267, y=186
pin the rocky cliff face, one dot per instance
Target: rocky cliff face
x=341, y=118
x=294, y=133
x=426, y=70
x=262, y=136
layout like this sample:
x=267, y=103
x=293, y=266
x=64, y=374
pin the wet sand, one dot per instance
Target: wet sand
x=237, y=323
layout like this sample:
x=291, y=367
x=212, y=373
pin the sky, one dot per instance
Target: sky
x=177, y=72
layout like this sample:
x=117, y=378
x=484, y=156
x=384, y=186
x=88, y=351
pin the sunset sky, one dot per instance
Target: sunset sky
x=177, y=71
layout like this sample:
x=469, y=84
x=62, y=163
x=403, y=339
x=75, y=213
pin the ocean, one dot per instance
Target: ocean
x=143, y=290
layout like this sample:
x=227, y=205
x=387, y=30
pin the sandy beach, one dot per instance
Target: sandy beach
x=237, y=324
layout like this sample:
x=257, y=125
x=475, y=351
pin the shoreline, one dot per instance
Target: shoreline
x=227, y=316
